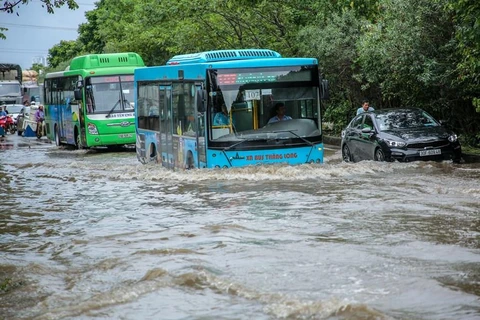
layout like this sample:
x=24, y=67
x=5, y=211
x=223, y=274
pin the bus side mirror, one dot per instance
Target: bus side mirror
x=324, y=91
x=78, y=94
x=201, y=100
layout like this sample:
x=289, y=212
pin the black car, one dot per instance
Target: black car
x=405, y=134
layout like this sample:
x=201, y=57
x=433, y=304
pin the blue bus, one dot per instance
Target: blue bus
x=177, y=107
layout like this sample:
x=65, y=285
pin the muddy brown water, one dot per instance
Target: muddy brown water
x=97, y=235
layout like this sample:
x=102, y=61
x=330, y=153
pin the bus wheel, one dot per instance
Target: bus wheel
x=190, y=163
x=153, y=153
x=57, y=137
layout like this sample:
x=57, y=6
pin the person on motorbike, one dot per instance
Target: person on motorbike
x=39, y=118
x=2, y=112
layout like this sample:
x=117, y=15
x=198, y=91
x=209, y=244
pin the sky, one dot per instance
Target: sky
x=34, y=31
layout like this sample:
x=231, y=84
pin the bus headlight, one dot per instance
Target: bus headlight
x=92, y=129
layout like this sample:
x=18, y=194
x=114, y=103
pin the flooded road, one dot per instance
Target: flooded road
x=97, y=235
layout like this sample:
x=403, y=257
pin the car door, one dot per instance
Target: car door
x=366, y=142
x=352, y=136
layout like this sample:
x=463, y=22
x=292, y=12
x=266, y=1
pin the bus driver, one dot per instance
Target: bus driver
x=281, y=116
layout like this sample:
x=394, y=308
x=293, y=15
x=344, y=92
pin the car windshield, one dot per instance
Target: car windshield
x=404, y=119
x=14, y=108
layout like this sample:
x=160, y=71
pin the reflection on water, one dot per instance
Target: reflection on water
x=95, y=234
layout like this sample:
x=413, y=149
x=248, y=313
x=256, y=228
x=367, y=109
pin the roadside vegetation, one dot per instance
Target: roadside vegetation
x=419, y=53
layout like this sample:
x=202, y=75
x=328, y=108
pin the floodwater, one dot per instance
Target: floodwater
x=97, y=235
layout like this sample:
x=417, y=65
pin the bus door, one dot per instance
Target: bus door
x=61, y=115
x=166, y=126
x=200, y=124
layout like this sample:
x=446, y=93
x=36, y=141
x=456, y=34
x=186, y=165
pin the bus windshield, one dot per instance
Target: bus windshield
x=109, y=94
x=242, y=103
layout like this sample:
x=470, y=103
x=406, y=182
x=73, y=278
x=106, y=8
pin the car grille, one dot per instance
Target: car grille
x=430, y=144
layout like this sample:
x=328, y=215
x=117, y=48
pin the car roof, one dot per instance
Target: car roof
x=11, y=104
x=389, y=110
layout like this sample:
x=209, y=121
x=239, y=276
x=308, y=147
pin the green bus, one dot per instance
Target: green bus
x=91, y=103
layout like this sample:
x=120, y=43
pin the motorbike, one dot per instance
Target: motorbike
x=7, y=124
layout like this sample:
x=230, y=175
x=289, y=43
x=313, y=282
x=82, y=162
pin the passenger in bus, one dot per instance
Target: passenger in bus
x=221, y=118
x=280, y=111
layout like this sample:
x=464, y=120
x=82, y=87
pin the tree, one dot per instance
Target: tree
x=89, y=33
x=467, y=31
x=50, y=5
x=62, y=52
x=413, y=55
x=160, y=29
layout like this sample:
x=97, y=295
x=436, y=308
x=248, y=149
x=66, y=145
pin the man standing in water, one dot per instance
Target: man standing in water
x=365, y=107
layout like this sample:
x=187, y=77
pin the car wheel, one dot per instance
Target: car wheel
x=379, y=155
x=346, y=155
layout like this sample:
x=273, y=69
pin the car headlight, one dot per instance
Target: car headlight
x=452, y=138
x=343, y=134
x=395, y=144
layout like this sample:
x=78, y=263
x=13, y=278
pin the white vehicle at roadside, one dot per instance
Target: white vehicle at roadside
x=13, y=110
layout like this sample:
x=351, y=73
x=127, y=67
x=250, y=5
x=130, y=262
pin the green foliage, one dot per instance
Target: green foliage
x=64, y=51
x=423, y=53
x=89, y=33
x=37, y=67
x=50, y=5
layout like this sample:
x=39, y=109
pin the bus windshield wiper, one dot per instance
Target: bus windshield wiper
x=238, y=143
x=111, y=110
x=122, y=101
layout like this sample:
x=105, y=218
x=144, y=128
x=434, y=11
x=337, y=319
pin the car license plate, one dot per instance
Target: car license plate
x=125, y=135
x=431, y=152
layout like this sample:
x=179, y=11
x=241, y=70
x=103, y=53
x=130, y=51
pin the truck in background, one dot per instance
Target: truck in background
x=10, y=83
x=32, y=91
